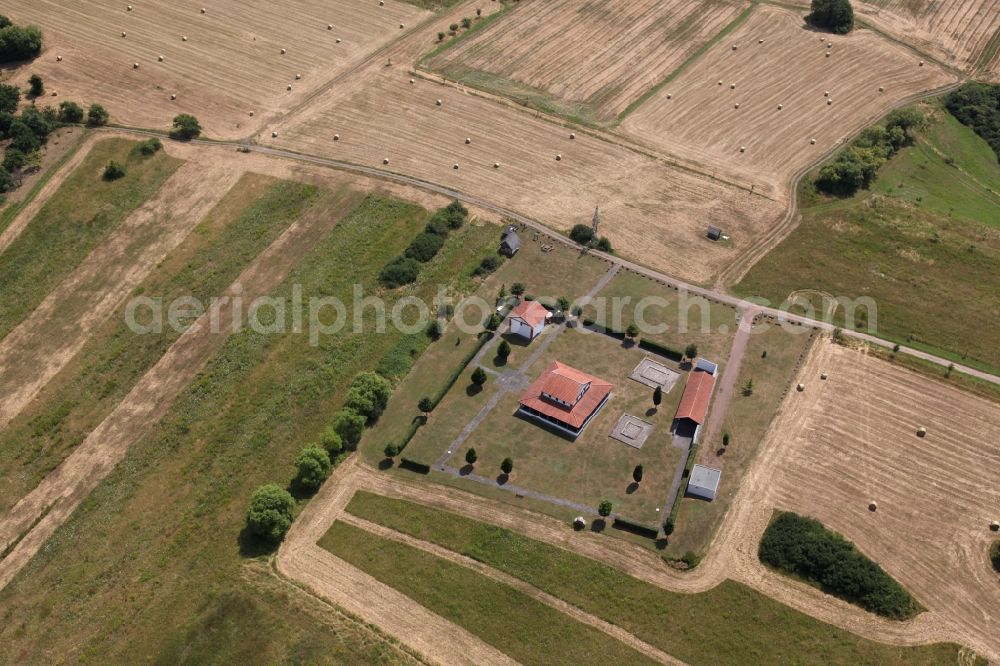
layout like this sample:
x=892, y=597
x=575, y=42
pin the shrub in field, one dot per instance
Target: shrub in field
x=424, y=247
x=70, y=112
x=10, y=96
x=400, y=271
x=603, y=244
x=804, y=548
x=503, y=350
x=36, y=87
x=185, y=127
x=332, y=441
x=18, y=43
x=313, y=465
x=270, y=513
x=507, y=465
x=582, y=234
x=114, y=171
x=97, y=116
x=14, y=159
x=471, y=456
x=149, y=146
x=478, y=376
x=833, y=15
x=368, y=395
x=977, y=105
x=487, y=265
x=605, y=508
x=349, y=425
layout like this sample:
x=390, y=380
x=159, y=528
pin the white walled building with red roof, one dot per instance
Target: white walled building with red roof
x=565, y=398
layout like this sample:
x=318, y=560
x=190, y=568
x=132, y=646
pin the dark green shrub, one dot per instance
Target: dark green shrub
x=517, y=288
x=503, y=349
x=804, y=548
x=424, y=247
x=414, y=466
x=368, y=395
x=582, y=234
x=349, y=425
x=185, y=128
x=456, y=214
x=22, y=138
x=149, y=146
x=97, y=116
x=478, y=376
x=19, y=43
x=507, y=466
x=14, y=159
x=6, y=181
x=604, y=245
x=36, y=87
x=400, y=271
x=313, y=465
x=833, y=15
x=332, y=442
x=487, y=265
x=114, y=171
x=390, y=451
x=471, y=456
x=605, y=508
x=10, y=96
x=977, y=105
x=646, y=531
x=668, y=526
x=270, y=513
x=70, y=112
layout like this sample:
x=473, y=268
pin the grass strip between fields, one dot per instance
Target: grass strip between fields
x=509, y=620
x=728, y=625
x=82, y=212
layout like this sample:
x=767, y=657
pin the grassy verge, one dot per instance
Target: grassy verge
x=746, y=422
x=73, y=222
x=730, y=624
x=974, y=385
x=509, y=620
x=922, y=245
x=251, y=216
x=802, y=548
x=161, y=536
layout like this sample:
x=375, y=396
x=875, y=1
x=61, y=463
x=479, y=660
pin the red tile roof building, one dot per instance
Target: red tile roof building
x=565, y=398
x=528, y=319
x=697, y=395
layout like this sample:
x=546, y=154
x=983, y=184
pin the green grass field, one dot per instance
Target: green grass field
x=731, y=624
x=144, y=569
x=242, y=224
x=509, y=620
x=924, y=244
x=78, y=216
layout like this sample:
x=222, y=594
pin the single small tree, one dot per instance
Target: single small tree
x=471, y=456
x=441, y=36
x=632, y=331
x=637, y=474
x=725, y=439
x=763, y=354
x=349, y=425
x=657, y=396
x=10, y=97
x=434, y=330
x=313, y=465
x=493, y=323
x=36, y=88
x=503, y=350
x=668, y=526
x=502, y=294
x=270, y=512
x=834, y=15
x=605, y=508
x=453, y=28
x=426, y=405
x=332, y=442
x=748, y=387
x=563, y=303
x=507, y=466
x=582, y=234
x=185, y=128
x=517, y=288
x=97, y=116
x=478, y=376
x=604, y=245
x=466, y=23
x=114, y=171
x=951, y=369
x=70, y=112
x=691, y=351
x=895, y=349
x=391, y=451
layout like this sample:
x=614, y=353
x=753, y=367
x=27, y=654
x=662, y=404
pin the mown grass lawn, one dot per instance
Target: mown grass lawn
x=730, y=624
x=251, y=216
x=158, y=542
x=78, y=216
x=923, y=244
x=509, y=620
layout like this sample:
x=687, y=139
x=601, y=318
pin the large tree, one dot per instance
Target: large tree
x=270, y=512
x=834, y=15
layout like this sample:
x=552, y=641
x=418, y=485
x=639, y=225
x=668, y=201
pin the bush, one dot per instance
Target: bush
x=22, y=138
x=582, y=234
x=605, y=508
x=426, y=405
x=185, y=127
x=424, y=247
x=390, y=451
x=507, y=466
x=414, y=466
x=434, y=330
x=503, y=350
x=149, y=147
x=493, y=322
x=478, y=376
x=313, y=465
x=10, y=97
x=517, y=288
x=36, y=87
x=487, y=265
x=270, y=513
x=833, y=15
x=6, y=181
x=97, y=116
x=438, y=224
x=637, y=474
x=668, y=526
x=471, y=456
x=368, y=395
x=400, y=271
x=40, y=122
x=691, y=351
x=14, y=159
x=349, y=425
x=70, y=112
x=977, y=105
x=604, y=245
x=114, y=171
x=647, y=531
x=803, y=548
x=456, y=214
x=17, y=43
x=332, y=442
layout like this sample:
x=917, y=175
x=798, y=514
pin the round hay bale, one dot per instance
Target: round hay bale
x=381, y=3
x=135, y=65
x=160, y=58
x=274, y=134
x=58, y=58
x=829, y=102
x=995, y=526
x=735, y=47
x=468, y=140
x=572, y=135
x=401, y=26
x=743, y=149
x=829, y=45
x=800, y=388
x=780, y=107
x=496, y=165
x=283, y=51
x=732, y=86
x=412, y=81
x=173, y=96
x=129, y=8
x=329, y=26
x=873, y=506
x=202, y=10
x=338, y=40
x=881, y=88
x=921, y=63
x=251, y=114
x=921, y=431
x=720, y=82
x=439, y=102
x=336, y=137
x=455, y=167
x=558, y=158
x=670, y=95
x=298, y=76
x=123, y=34
x=54, y=93
x=827, y=54
x=826, y=93
x=812, y=142
x=288, y=87
x=737, y=105
x=823, y=376
x=184, y=38
x=760, y=41
x=385, y=161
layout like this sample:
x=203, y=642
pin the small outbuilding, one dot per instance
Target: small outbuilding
x=528, y=319
x=704, y=482
x=510, y=242
x=714, y=233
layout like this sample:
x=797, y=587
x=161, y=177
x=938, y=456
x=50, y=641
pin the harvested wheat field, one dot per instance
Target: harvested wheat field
x=957, y=31
x=222, y=64
x=852, y=439
x=585, y=59
x=378, y=118
x=763, y=129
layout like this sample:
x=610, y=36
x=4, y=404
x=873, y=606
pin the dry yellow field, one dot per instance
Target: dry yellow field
x=852, y=439
x=697, y=117
x=956, y=31
x=230, y=65
x=592, y=58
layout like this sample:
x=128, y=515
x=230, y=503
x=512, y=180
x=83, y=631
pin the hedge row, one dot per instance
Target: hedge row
x=414, y=466
x=405, y=268
x=639, y=529
x=647, y=345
